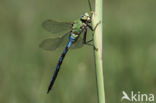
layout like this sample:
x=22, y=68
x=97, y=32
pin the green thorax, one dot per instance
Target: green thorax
x=77, y=26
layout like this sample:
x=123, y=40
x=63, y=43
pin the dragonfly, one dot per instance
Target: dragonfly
x=75, y=29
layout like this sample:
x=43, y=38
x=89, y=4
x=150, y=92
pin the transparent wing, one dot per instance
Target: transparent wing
x=78, y=43
x=56, y=27
x=51, y=44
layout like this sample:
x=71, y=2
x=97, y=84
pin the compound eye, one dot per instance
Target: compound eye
x=88, y=18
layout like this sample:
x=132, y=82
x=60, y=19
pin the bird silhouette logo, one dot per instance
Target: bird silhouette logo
x=125, y=96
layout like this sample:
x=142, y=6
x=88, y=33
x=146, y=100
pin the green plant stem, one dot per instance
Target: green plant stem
x=97, y=17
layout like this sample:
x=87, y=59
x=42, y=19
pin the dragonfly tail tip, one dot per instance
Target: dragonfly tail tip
x=48, y=90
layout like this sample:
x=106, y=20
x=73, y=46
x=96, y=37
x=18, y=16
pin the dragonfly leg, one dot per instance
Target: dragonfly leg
x=92, y=46
x=88, y=42
x=93, y=29
x=84, y=37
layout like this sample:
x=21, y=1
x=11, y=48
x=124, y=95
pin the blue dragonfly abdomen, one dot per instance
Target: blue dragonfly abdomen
x=71, y=40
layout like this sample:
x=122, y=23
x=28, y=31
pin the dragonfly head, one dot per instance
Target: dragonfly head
x=85, y=18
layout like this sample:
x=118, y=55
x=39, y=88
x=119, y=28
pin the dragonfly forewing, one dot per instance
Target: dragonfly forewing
x=56, y=27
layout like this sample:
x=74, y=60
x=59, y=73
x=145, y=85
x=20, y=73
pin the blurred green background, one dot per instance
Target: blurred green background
x=129, y=42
